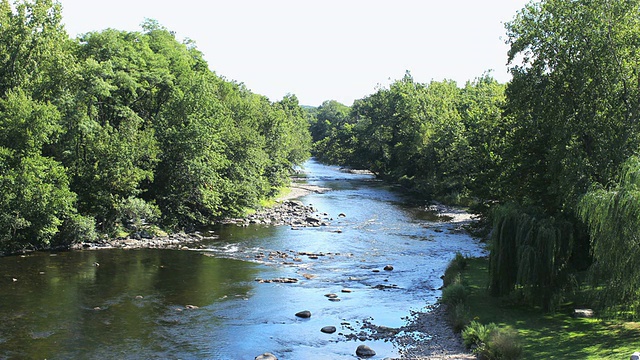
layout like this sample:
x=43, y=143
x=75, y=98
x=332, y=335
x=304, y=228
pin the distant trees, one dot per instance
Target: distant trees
x=116, y=129
x=435, y=139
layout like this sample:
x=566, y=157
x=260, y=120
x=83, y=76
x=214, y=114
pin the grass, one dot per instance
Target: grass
x=549, y=336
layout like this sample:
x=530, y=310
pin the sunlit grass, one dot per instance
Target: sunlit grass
x=550, y=336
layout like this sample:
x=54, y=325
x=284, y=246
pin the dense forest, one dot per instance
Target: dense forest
x=114, y=130
x=550, y=157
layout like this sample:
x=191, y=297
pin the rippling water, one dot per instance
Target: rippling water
x=206, y=304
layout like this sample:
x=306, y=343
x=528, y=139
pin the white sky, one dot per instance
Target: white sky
x=322, y=49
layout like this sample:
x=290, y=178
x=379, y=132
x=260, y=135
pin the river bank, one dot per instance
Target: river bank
x=286, y=211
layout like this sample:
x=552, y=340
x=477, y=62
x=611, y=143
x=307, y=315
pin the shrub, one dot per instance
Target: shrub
x=454, y=294
x=74, y=229
x=491, y=342
x=452, y=273
x=134, y=212
x=458, y=316
x=504, y=344
x=476, y=335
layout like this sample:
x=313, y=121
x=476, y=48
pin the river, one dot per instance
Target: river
x=207, y=304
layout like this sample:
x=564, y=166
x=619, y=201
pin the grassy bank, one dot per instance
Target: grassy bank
x=548, y=336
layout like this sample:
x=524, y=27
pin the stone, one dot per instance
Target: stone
x=328, y=329
x=304, y=314
x=365, y=351
x=388, y=267
x=635, y=356
x=583, y=313
x=346, y=290
x=331, y=296
x=266, y=356
x=312, y=220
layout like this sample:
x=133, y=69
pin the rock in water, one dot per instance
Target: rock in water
x=266, y=356
x=304, y=314
x=388, y=267
x=328, y=329
x=365, y=351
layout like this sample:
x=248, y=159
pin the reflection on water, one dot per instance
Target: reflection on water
x=134, y=304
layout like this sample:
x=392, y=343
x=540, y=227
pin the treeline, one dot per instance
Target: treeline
x=552, y=153
x=115, y=130
x=435, y=139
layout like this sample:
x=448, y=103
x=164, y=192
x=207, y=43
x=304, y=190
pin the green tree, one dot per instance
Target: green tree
x=613, y=217
x=36, y=200
x=570, y=121
x=34, y=47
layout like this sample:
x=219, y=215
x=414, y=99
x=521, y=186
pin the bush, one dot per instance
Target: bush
x=454, y=294
x=76, y=228
x=504, y=344
x=458, y=316
x=476, y=335
x=134, y=212
x=452, y=273
x=491, y=342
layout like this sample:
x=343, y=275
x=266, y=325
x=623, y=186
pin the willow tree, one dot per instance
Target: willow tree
x=571, y=111
x=613, y=217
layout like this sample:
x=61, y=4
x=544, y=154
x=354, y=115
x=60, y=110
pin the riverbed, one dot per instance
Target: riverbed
x=236, y=297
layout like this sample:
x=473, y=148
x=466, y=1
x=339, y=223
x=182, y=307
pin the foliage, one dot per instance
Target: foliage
x=571, y=103
x=454, y=294
x=492, y=342
x=544, y=335
x=476, y=334
x=452, y=272
x=503, y=344
x=458, y=316
x=434, y=139
x=613, y=217
x=530, y=254
x=134, y=212
x=124, y=128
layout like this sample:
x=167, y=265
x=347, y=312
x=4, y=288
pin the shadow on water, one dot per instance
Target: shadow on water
x=207, y=304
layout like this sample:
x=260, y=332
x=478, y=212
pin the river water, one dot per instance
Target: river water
x=141, y=304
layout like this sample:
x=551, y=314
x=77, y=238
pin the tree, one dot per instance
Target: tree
x=570, y=121
x=613, y=218
x=36, y=200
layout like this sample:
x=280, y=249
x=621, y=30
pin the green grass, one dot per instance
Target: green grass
x=549, y=336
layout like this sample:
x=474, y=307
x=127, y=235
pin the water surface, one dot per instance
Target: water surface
x=207, y=304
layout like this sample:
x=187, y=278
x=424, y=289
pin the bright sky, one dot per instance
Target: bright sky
x=322, y=49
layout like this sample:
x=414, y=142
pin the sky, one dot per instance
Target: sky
x=322, y=49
